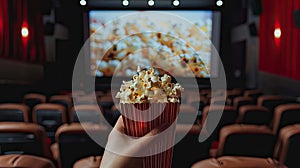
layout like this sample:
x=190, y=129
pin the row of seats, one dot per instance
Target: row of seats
x=240, y=146
x=231, y=102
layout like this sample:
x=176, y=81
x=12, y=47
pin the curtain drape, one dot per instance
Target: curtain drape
x=15, y=15
x=279, y=56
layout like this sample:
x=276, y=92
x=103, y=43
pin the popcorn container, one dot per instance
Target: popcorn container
x=140, y=119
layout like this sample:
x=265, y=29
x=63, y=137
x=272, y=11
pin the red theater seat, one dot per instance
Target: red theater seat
x=238, y=162
x=24, y=161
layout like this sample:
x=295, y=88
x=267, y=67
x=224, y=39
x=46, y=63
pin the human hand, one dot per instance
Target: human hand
x=121, y=149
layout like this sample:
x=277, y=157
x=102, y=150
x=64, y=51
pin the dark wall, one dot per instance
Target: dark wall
x=233, y=14
x=70, y=14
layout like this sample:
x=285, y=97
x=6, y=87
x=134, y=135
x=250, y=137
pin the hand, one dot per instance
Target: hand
x=121, y=149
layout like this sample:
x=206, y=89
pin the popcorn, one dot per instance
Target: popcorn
x=147, y=86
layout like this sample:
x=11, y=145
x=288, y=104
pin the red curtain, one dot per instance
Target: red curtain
x=15, y=15
x=279, y=56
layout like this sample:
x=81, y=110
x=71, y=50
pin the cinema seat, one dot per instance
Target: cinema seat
x=270, y=101
x=219, y=101
x=287, y=114
x=246, y=140
x=50, y=116
x=238, y=162
x=64, y=100
x=288, y=146
x=89, y=162
x=210, y=113
x=32, y=99
x=24, y=161
x=241, y=101
x=253, y=114
x=106, y=102
x=85, y=100
x=188, y=150
x=23, y=138
x=231, y=94
x=253, y=93
x=14, y=112
x=74, y=143
x=87, y=113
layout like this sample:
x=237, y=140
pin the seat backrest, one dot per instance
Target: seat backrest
x=246, y=140
x=253, y=93
x=253, y=114
x=64, y=100
x=50, y=116
x=106, y=101
x=265, y=98
x=14, y=112
x=75, y=143
x=286, y=114
x=238, y=162
x=87, y=113
x=219, y=101
x=228, y=117
x=23, y=138
x=187, y=150
x=32, y=99
x=24, y=161
x=241, y=101
x=288, y=146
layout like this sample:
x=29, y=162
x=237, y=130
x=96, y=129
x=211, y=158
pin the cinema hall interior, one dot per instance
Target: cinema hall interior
x=150, y=83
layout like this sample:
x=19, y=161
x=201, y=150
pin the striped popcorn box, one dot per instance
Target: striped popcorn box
x=140, y=119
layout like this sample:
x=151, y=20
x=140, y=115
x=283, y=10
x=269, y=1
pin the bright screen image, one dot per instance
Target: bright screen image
x=144, y=38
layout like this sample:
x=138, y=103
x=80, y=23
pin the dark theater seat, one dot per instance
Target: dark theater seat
x=23, y=138
x=24, y=161
x=288, y=147
x=74, y=143
x=246, y=140
x=32, y=99
x=14, y=112
x=87, y=113
x=50, y=116
x=228, y=117
x=253, y=114
x=285, y=115
x=188, y=150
